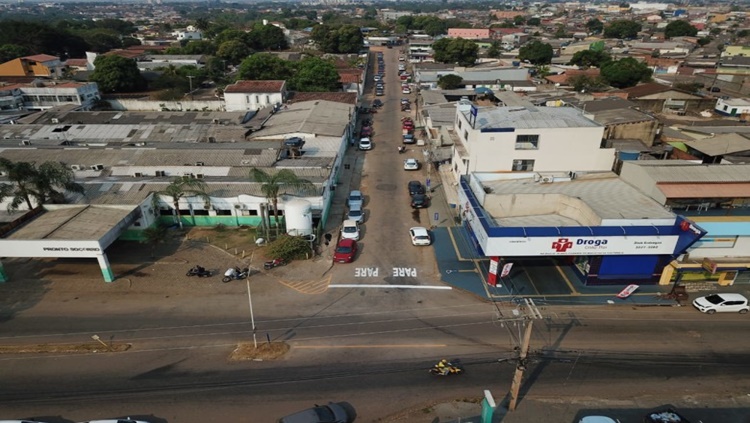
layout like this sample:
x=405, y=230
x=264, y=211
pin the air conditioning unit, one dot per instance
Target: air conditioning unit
x=25, y=142
x=137, y=174
x=55, y=120
x=199, y=176
x=75, y=167
x=3, y=173
x=97, y=167
x=160, y=173
x=199, y=163
x=548, y=179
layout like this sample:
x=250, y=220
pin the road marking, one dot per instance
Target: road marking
x=391, y=286
x=371, y=346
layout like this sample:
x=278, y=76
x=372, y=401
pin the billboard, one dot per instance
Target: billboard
x=580, y=246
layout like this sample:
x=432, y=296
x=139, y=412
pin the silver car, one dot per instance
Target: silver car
x=356, y=214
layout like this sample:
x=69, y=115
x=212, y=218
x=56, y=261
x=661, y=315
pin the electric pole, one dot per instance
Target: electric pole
x=520, y=367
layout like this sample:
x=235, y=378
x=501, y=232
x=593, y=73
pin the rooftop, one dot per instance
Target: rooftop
x=721, y=144
x=320, y=117
x=72, y=223
x=267, y=86
x=530, y=117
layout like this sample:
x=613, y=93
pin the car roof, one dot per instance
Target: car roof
x=350, y=222
x=731, y=296
x=355, y=207
x=415, y=183
x=419, y=230
x=365, y=139
x=355, y=192
x=347, y=242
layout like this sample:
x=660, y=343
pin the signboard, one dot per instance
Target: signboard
x=49, y=248
x=492, y=273
x=629, y=290
x=506, y=270
x=580, y=246
x=709, y=265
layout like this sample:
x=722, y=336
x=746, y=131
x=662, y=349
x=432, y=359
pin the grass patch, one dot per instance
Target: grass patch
x=265, y=351
x=64, y=348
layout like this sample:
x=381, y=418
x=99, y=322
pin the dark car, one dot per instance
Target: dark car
x=420, y=201
x=345, y=251
x=334, y=412
x=416, y=187
x=377, y=103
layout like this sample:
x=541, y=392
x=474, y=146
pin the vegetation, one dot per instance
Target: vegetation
x=590, y=58
x=431, y=25
x=594, y=26
x=181, y=187
x=455, y=50
x=310, y=74
x=117, y=74
x=154, y=235
x=288, y=248
x=680, y=28
x=625, y=72
x=273, y=185
x=31, y=184
x=450, y=82
x=536, y=52
x=586, y=83
x=338, y=39
x=622, y=28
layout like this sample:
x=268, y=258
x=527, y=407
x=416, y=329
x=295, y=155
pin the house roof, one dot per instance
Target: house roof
x=563, y=78
x=320, y=118
x=721, y=145
x=646, y=89
x=337, y=97
x=697, y=190
x=530, y=117
x=41, y=58
x=77, y=62
x=263, y=86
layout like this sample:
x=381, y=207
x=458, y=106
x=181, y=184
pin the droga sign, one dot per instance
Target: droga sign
x=580, y=246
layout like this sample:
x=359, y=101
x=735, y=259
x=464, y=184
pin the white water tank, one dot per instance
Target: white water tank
x=298, y=216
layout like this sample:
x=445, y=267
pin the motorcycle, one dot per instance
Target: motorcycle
x=235, y=273
x=199, y=271
x=447, y=368
x=274, y=263
x=401, y=150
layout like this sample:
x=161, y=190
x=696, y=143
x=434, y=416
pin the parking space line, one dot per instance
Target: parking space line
x=455, y=247
x=573, y=291
x=531, y=281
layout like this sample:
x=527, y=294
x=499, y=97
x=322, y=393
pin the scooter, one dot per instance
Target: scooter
x=199, y=271
x=235, y=273
x=274, y=263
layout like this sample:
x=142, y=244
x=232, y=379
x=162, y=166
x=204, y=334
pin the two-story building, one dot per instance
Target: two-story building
x=527, y=139
x=254, y=95
x=39, y=65
x=43, y=95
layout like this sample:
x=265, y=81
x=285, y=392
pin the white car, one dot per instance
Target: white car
x=718, y=303
x=350, y=230
x=406, y=91
x=419, y=236
x=411, y=164
x=365, y=144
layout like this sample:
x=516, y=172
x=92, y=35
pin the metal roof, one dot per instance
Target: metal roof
x=721, y=145
x=530, y=117
x=713, y=190
x=72, y=223
x=318, y=117
x=685, y=171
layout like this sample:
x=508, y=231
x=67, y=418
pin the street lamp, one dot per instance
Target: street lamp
x=252, y=317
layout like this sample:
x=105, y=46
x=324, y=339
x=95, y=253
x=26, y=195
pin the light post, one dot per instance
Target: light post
x=190, y=78
x=252, y=317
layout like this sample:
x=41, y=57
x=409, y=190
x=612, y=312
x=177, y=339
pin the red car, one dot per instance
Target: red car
x=408, y=125
x=345, y=251
x=366, y=131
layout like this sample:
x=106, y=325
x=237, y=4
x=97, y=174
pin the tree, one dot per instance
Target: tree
x=262, y=66
x=44, y=184
x=102, y=40
x=181, y=187
x=316, y=75
x=450, y=81
x=117, y=74
x=626, y=72
x=536, y=52
x=622, y=28
x=9, y=52
x=590, y=58
x=202, y=23
x=338, y=39
x=703, y=41
x=154, y=235
x=455, y=50
x=680, y=28
x=519, y=20
x=534, y=22
x=273, y=185
x=233, y=51
x=268, y=37
x=586, y=83
x=594, y=26
x=494, y=50
x=199, y=47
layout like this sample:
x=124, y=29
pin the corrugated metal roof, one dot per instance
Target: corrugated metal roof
x=319, y=117
x=716, y=190
x=681, y=171
x=721, y=144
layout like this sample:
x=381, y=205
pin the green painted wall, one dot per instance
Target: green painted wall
x=209, y=221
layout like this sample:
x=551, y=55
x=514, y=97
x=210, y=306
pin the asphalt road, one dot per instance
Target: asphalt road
x=369, y=346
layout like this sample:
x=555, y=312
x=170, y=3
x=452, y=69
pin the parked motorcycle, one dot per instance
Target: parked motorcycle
x=447, y=368
x=199, y=271
x=235, y=273
x=274, y=263
x=401, y=150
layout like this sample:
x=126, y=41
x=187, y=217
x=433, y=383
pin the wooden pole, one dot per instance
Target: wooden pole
x=520, y=367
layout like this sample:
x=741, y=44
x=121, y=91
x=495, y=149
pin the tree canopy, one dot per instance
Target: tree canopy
x=680, y=28
x=594, y=26
x=309, y=74
x=338, y=39
x=626, y=72
x=117, y=74
x=590, y=58
x=450, y=81
x=455, y=50
x=33, y=185
x=536, y=52
x=262, y=66
x=622, y=28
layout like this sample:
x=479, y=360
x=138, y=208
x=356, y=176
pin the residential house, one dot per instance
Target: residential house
x=420, y=49
x=659, y=98
x=39, y=66
x=737, y=50
x=189, y=33
x=622, y=121
x=254, y=95
x=733, y=107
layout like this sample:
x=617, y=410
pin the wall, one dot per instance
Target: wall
x=157, y=106
x=644, y=131
x=240, y=102
x=12, y=68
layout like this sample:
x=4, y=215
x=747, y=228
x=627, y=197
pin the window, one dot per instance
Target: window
x=268, y=99
x=527, y=142
x=257, y=99
x=523, y=165
x=459, y=123
x=466, y=135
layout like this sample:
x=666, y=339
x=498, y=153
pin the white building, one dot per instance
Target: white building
x=732, y=106
x=254, y=95
x=528, y=139
x=43, y=95
x=189, y=33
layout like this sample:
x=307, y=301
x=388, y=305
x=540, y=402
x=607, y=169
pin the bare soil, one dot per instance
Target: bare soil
x=92, y=347
x=265, y=351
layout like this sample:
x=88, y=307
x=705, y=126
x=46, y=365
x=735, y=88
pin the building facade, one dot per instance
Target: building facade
x=40, y=65
x=254, y=95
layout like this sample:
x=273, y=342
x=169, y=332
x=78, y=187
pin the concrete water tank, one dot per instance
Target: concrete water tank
x=298, y=216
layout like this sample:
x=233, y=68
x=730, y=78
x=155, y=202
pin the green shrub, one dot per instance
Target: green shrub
x=288, y=248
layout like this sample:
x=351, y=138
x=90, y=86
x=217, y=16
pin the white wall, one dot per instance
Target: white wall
x=157, y=106
x=236, y=102
x=741, y=249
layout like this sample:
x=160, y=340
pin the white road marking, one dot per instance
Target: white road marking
x=390, y=286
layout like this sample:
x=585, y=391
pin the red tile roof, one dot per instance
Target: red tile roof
x=563, y=78
x=77, y=62
x=339, y=97
x=266, y=86
x=41, y=58
x=128, y=54
x=350, y=76
x=646, y=89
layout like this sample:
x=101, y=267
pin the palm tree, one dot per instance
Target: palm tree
x=41, y=184
x=156, y=234
x=275, y=184
x=182, y=187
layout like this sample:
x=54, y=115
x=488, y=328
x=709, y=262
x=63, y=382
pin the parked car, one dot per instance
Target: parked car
x=366, y=131
x=365, y=144
x=411, y=164
x=419, y=236
x=377, y=78
x=409, y=139
x=718, y=303
x=126, y=420
x=355, y=199
x=408, y=125
x=379, y=93
x=597, y=419
x=350, y=230
x=345, y=252
x=420, y=201
x=356, y=213
x=377, y=103
x=401, y=58
x=334, y=412
x=406, y=90
x=416, y=187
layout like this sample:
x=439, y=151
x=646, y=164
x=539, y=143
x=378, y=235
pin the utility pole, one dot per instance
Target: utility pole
x=252, y=317
x=190, y=78
x=520, y=367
